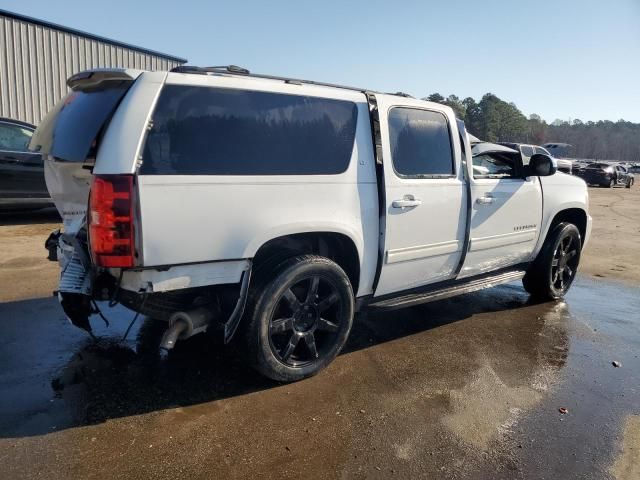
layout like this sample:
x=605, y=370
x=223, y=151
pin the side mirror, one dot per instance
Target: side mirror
x=540, y=165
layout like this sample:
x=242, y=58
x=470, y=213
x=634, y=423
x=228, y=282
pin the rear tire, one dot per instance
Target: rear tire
x=555, y=268
x=629, y=183
x=611, y=184
x=299, y=317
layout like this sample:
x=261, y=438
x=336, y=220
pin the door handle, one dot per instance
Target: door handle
x=407, y=202
x=486, y=200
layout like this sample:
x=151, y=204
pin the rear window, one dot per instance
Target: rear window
x=69, y=130
x=216, y=131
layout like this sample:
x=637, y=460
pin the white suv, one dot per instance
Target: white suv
x=278, y=208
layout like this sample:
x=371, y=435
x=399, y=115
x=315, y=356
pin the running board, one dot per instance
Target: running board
x=409, y=300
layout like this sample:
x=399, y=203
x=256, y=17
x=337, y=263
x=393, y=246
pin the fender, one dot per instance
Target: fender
x=562, y=192
x=366, y=267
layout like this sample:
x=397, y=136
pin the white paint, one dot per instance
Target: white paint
x=502, y=240
x=494, y=241
x=204, y=228
x=422, y=244
x=182, y=276
x=423, y=251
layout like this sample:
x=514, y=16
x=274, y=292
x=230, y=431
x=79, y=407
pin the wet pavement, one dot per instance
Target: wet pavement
x=463, y=388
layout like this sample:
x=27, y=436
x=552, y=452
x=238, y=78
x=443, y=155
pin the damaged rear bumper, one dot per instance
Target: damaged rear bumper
x=159, y=292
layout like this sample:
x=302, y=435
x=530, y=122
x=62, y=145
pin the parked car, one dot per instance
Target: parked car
x=634, y=168
x=22, y=184
x=278, y=208
x=563, y=165
x=605, y=174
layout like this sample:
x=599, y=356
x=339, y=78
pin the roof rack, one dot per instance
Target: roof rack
x=401, y=94
x=235, y=70
x=204, y=70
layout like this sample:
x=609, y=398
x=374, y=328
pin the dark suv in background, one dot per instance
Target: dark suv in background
x=22, y=185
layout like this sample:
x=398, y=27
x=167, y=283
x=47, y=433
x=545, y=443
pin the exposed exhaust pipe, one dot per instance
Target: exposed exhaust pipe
x=184, y=325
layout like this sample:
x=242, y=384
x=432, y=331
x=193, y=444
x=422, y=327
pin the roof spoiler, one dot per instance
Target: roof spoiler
x=94, y=77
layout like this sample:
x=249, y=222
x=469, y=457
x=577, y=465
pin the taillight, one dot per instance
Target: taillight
x=111, y=220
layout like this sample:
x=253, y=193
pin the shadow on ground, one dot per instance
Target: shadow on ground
x=58, y=378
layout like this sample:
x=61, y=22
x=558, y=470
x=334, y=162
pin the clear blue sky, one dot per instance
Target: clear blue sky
x=557, y=58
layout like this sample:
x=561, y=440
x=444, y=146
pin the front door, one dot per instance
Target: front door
x=425, y=195
x=506, y=211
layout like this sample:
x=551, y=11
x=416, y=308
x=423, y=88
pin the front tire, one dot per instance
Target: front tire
x=299, y=317
x=555, y=268
x=629, y=183
x=611, y=184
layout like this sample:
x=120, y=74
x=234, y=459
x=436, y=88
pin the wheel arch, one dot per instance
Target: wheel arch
x=335, y=245
x=575, y=214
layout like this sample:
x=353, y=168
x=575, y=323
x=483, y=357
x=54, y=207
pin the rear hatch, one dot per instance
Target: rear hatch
x=69, y=137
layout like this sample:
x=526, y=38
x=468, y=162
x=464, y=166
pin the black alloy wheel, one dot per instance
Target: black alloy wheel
x=300, y=316
x=305, y=323
x=554, y=269
x=564, y=264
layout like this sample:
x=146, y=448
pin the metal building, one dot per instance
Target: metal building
x=37, y=57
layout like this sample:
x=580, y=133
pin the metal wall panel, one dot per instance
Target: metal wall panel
x=36, y=60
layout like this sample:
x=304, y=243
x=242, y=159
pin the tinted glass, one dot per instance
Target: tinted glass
x=215, y=131
x=420, y=142
x=14, y=138
x=495, y=165
x=526, y=150
x=70, y=128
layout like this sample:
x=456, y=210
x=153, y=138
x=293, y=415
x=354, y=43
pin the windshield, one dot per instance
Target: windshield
x=70, y=129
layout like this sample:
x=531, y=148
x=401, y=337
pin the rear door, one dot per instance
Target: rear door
x=506, y=212
x=425, y=194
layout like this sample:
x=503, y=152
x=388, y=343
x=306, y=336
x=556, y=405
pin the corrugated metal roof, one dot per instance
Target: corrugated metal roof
x=91, y=36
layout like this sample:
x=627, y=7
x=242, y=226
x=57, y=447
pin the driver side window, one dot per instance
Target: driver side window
x=495, y=165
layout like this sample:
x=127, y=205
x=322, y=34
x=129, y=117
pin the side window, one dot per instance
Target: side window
x=14, y=137
x=217, y=131
x=420, y=143
x=526, y=150
x=495, y=165
x=542, y=150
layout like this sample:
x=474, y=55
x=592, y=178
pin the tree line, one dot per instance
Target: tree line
x=494, y=120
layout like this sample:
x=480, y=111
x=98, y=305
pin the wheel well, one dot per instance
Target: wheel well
x=335, y=246
x=576, y=216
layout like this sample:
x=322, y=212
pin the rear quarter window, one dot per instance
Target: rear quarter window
x=216, y=131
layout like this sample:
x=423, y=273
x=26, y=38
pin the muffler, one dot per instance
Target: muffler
x=184, y=325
